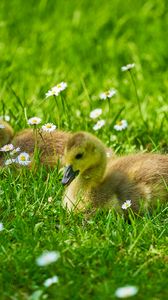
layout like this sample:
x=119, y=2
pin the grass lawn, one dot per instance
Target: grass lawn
x=84, y=43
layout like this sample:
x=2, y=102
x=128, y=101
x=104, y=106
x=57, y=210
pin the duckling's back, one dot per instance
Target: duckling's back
x=135, y=177
x=50, y=145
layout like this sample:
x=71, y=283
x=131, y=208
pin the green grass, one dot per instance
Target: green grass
x=84, y=43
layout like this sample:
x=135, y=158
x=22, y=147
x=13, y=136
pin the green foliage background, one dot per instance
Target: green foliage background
x=84, y=43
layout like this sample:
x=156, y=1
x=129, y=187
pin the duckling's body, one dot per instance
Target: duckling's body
x=49, y=145
x=141, y=178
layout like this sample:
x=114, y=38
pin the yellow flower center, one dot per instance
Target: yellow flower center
x=49, y=126
x=22, y=158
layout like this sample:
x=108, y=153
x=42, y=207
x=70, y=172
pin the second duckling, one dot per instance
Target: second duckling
x=50, y=145
x=94, y=181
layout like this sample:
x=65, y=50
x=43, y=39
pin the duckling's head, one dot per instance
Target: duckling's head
x=6, y=133
x=85, y=155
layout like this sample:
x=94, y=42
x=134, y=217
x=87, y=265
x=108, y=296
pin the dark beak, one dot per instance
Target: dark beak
x=69, y=175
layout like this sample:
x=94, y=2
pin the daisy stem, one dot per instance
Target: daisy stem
x=36, y=156
x=58, y=120
x=137, y=97
x=22, y=176
x=66, y=109
x=131, y=216
x=108, y=104
x=35, y=136
x=63, y=103
x=45, y=144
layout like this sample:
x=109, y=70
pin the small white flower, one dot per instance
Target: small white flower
x=127, y=291
x=48, y=282
x=10, y=161
x=47, y=258
x=14, y=151
x=6, y=118
x=61, y=86
x=78, y=113
x=113, y=138
x=95, y=113
x=34, y=121
x=121, y=125
x=50, y=199
x=2, y=126
x=23, y=159
x=1, y=226
x=126, y=204
x=127, y=67
x=49, y=127
x=7, y=148
x=55, y=91
x=99, y=125
x=52, y=92
x=109, y=153
x=108, y=94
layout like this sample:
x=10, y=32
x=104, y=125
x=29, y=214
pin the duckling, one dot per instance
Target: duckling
x=94, y=181
x=6, y=133
x=50, y=145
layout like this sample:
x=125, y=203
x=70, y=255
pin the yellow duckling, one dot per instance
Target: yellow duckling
x=49, y=145
x=97, y=182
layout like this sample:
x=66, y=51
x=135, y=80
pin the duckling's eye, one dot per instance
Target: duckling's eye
x=79, y=156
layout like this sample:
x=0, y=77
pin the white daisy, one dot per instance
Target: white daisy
x=52, y=92
x=7, y=148
x=48, y=257
x=49, y=127
x=61, y=86
x=108, y=153
x=10, y=161
x=14, y=151
x=1, y=226
x=55, y=91
x=99, y=124
x=23, y=159
x=121, y=125
x=108, y=94
x=127, y=291
x=6, y=118
x=50, y=199
x=95, y=113
x=2, y=126
x=127, y=67
x=34, y=121
x=126, y=204
x=48, y=282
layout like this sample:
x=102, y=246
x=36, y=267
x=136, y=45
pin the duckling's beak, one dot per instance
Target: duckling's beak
x=69, y=175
